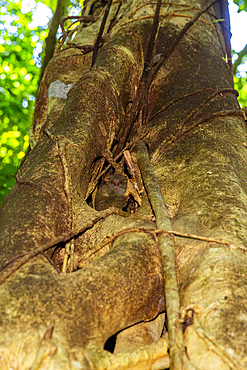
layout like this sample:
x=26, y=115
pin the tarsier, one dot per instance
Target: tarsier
x=111, y=193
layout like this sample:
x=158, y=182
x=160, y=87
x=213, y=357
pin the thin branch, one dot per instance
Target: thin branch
x=147, y=79
x=180, y=36
x=175, y=334
x=149, y=60
x=185, y=130
x=50, y=41
x=102, y=26
x=22, y=259
x=110, y=238
x=133, y=112
x=208, y=89
x=51, y=262
x=175, y=233
x=152, y=36
x=114, y=19
x=62, y=38
x=91, y=186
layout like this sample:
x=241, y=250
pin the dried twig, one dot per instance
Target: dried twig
x=62, y=38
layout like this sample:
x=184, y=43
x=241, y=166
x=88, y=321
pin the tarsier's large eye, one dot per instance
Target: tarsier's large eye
x=113, y=182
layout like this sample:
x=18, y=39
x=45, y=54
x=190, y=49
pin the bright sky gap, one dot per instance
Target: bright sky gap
x=42, y=14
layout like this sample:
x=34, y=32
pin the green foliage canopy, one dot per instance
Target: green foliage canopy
x=240, y=59
x=242, y=5
x=19, y=70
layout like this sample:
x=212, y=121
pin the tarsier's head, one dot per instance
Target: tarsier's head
x=118, y=182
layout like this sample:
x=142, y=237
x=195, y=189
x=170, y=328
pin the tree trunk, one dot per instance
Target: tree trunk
x=175, y=93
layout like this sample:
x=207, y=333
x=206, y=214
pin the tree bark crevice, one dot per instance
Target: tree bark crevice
x=198, y=157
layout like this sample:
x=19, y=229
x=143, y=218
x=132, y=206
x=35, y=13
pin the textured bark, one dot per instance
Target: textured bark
x=196, y=139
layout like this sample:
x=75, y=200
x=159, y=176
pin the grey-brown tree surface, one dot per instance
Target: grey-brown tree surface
x=176, y=93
